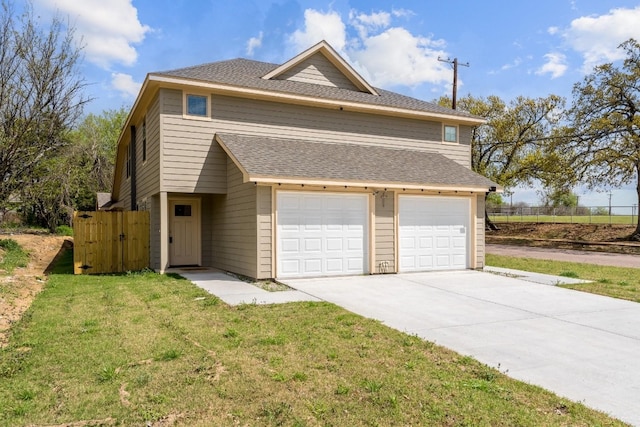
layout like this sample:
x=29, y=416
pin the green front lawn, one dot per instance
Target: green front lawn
x=137, y=348
x=616, y=282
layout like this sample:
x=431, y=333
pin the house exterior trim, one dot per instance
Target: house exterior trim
x=325, y=49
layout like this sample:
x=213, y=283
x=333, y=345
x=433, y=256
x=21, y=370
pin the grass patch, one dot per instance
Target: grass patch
x=12, y=255
x=616, y=282
x=64, y=230
x=141, y=348
x=568, y=219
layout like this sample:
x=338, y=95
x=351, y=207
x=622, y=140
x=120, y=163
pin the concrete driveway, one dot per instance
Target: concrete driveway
x=581, y=346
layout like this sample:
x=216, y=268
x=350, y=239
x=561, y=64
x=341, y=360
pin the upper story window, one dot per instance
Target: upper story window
x=450, y=133
x=196, y=106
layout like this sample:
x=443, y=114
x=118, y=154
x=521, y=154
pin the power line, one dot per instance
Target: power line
x=455, y=76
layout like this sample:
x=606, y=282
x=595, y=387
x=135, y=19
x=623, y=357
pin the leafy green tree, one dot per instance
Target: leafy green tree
x=513, y=147
x=40, y=95
x=82, y=168
x=560, y=198
x=604, y=139
x=94, y=151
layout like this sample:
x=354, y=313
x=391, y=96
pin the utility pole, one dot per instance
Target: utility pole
x=455, y=77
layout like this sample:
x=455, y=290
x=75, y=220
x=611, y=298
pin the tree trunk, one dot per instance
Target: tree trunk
x=488, y=224
x=636, y=234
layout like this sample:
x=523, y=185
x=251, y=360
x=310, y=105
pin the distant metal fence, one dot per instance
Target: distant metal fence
x=623, y=215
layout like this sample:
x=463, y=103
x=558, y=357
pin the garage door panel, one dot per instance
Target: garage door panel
x=332, y=229
x=291, y=245
x=433, y=232
x=425, y=242
x=425, y=262
x=443, y=261
x=290, y=266
x=354, y=245
x=459, y=242
x=334, y=266
x=313, y=265
x=355, y=265
x=443, y=242
x=312, y=245
x=333, y=244
x=407, y=242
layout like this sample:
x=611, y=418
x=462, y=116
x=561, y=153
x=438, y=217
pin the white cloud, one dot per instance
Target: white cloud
x=109, y=29
x=553, y=30
x=320, y=26
x=556, y=65
x=398, y=57
x=125, y=84
x=597, y=37
x=365, y=24
x=374, y=20
x=254, y=43
x=516, y=62
x=385, y=55
x=402, y=13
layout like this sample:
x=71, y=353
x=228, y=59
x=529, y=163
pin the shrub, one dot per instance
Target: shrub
x=64, y=230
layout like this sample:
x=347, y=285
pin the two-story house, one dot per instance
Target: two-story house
x=299, y=169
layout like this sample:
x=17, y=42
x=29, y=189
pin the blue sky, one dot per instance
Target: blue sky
x=513, y=48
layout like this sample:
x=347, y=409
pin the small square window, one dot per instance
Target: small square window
x=197, y=105
x=450, y=133
x=182, y=210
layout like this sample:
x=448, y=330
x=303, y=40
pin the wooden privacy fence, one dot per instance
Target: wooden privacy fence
x=110, y=242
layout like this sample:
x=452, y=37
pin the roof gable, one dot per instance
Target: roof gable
x=321, y=65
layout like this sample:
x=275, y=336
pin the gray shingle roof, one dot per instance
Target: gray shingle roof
x=307, y=160
x=247, y=73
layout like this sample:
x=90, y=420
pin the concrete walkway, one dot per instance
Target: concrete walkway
x=234, y=291
x=570, y=255
x=543, y=279
x=582, y=346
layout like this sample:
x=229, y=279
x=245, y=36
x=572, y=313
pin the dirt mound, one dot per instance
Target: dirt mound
x=584, y=232
x=20, y=288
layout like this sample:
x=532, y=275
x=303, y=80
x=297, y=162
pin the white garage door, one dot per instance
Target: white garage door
x=433, y=233
x=321, y=234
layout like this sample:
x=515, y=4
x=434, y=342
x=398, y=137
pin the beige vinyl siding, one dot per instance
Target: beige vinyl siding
x=235, y=226
x=261, y=118
x=206, y=227
x=148, y=172
x=125, y=186
x=465, y=134
x=384, y=233
x=318, y=70
x=191, y=161
x=480, y=232
x=265, y=232
x=153, y=205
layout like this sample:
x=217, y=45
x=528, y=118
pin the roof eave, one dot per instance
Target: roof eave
x=271, y=180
